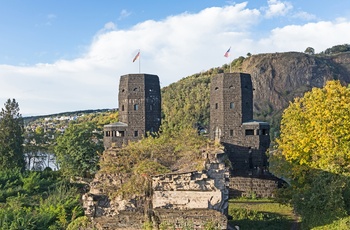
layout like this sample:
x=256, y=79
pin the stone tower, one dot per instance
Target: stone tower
x=139, y=110
x=231, y=122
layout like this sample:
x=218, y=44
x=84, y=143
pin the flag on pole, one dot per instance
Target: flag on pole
x=227, y=52
x=136, y=57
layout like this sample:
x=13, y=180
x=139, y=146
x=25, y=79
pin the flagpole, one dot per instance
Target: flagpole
x=139, y=62
x=138, y=57
x=227, y=54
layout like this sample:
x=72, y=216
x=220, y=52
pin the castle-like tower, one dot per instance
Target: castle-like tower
x=231, y=121
x=139, y=110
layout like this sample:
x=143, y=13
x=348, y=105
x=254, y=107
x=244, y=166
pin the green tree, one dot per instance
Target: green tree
x=315, y=129
x=77, y=150
x=338, y=49
x=310, y=50
x=314, y=154
x=11, y=136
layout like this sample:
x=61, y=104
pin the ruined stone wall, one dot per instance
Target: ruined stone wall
x=248, y=186
x=162, y=219
x=190, y=219
x=207, y=189
x=195, y=198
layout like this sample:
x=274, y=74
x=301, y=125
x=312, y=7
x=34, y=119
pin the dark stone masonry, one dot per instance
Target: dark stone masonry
x=231, y=122
x=139, y=110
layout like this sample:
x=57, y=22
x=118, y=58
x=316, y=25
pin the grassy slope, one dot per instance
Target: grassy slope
x=261, y=214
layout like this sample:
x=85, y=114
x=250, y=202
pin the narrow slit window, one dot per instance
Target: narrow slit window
x=249, y=132
x=265, y=132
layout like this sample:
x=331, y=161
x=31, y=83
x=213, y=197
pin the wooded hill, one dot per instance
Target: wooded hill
x=277, y=79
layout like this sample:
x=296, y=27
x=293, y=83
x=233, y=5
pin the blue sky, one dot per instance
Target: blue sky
x=61, y=55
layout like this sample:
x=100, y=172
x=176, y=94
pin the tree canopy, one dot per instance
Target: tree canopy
x=309, y=50
x=315, y=129
x=11, y=136
x=78, y=149
x=338, y=49
x=313, y=153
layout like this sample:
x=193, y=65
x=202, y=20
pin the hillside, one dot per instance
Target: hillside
x=277, y=79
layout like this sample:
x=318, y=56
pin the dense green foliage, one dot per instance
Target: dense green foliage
x=186, y=103
x=337, y=49
x=11, y=136
x=77, y=150
x=314, y=154
x=36, y=200
x=341, y=224
x=315, y=129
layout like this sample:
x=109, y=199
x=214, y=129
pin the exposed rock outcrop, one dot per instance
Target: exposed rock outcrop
x=279, y=77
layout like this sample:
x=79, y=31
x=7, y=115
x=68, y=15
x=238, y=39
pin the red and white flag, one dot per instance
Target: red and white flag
x=227, y=52
x=136, y=57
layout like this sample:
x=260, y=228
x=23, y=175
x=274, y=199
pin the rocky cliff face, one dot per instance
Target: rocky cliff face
x=280, y=77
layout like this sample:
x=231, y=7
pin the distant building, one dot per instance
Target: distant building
x=231, y=122
x=139, y=110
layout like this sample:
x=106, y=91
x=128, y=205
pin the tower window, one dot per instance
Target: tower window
x=120, y=134
x=232, y=105
x=216, y=105
x=136, y=107
x=122, y=107
x=136, y=133
x=150, y=107
x=249, y=132
x=108, y=133
x=231, y=132
x=216, y=88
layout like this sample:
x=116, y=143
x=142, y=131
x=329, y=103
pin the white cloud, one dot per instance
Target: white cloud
x=320, y=36
x=110, y=26
x=304, y=16
x=124, y=14
x=277, y=8
x=173, y=48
